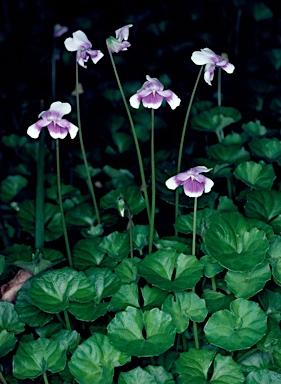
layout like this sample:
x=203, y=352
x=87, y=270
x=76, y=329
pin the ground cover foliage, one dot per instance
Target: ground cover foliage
x=136, y=300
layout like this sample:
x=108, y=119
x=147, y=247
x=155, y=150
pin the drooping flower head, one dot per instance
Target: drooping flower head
x=152, y=93
x=211, y=61
x=194, y=184
x=120, y=42
x=80, y=43
x=57, y=126
x=59, y=30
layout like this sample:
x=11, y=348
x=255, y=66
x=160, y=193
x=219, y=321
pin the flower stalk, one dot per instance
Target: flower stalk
x=122, y=204
x=153, y=186
x=144, y=187
x=90, y=184
x=61, y=207
x=39, y=202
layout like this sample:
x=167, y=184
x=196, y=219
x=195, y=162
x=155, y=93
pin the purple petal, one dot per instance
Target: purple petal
x=95, y=55
x=193, y=188
x=172, y=99
x=154, y=100
x=116, y=46
x=71, y=128
x=59, y=30
x=229, y=68
x=209, y=73
x=123, y=33
x=56, y=131
x=172, y=183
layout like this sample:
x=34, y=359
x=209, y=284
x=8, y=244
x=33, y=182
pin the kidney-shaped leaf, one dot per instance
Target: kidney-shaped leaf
x=193, y=367
x=171, y=271
x=215, y=119
x=235, y=242
x=255, y=175
x=52, y=290
x=263, y=376
x=240, y=328
x=263, y=205
x=93, y=361
x=34, y=358
x=184, y=306
x=140, y=333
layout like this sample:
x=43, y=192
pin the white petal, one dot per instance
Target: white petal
x=73, y=130
x=208, y=185
x=134, y=101
x=229, y=68
x=70, y=44
x=61, y=108
x=171, y=183
x=33, y=131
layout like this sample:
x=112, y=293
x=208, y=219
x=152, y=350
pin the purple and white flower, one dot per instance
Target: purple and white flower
x=57, y=126
x=211, y=61
x=59, y=30
x=120, y=42
x=151, y=95
x=194, y=184
x=80, y=43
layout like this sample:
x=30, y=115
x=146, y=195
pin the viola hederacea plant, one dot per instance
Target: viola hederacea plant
x=165, y=267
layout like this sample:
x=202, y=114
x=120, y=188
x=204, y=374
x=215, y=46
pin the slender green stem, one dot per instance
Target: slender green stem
x=61, y=320
x=153, y=186
x=39, y=204
x=214, y=284
x=184, y=343
x=2, y=378
x=61, y=207
x=219, y=87
x=130, y=224
x=195, y=333
x=134, y=134
x=183, y=137
x=246, y=354
x=194, y=227
x=45, y=378
x=90, y=184
x=67, y=322
x=195, y=330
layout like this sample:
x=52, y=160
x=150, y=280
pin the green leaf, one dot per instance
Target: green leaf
x=178, y=245
x=254, y=128
x=126, y=295
x=93, y=361
x=256, y=361
x=235, y=243
x=215, y=119
x=255, y=175
x=140, y=333
x=240, y=328
x=105, y=282
x=127, y=270
x=263, y=205
x=52, y=219
x=11, y=186
x=216, y=301
x=271, y=303
x=227, y=154
x=34, y=358
x=140, y=235
x=211, y=266
x=137, y=375
x=184, y=223
x=131, y=194
x=81, y=215
x=28, y=312
x=122, y=140
x=263, y=376
x=52, y=290
x=86, y=253
x=87, y=311
x=116, y=245
x=194, y=366
x=183, y=306
x=171, y=271
x=7, y=342
x=265, y=148
x=160, y=374
x=153, y=297
x=247, y=284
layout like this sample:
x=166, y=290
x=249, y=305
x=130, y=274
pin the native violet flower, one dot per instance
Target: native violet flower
x=207, y=57
x=57, y=126
x=80, y=43
x=193, y=183
x=120, y=42
x=151, y=95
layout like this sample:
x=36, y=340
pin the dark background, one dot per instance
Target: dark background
x=163, y=37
